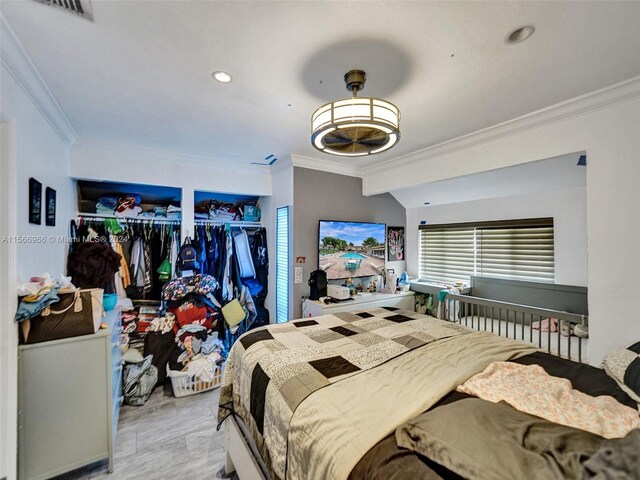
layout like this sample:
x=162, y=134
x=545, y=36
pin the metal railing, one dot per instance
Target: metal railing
x=515, y=321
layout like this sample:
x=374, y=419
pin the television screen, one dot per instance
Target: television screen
x=351, y=249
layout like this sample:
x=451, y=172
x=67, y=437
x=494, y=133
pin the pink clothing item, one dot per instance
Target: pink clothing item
x=547, y=325
x=529, y=389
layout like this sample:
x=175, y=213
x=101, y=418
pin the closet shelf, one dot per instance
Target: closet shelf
x=102, y=216
x=235, y=223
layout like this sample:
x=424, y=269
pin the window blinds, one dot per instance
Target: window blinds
x=447, y=254
x=523, y=253
x=282, y=265
x=518, y=249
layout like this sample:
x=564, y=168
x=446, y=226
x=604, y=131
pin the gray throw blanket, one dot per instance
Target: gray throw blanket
x=616, y=459
x=478, y=439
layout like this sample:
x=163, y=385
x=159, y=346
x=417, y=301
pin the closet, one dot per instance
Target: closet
x=233, y=246
x=144, y=224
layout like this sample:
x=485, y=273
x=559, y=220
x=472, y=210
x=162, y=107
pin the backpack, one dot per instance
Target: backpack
x=188, y=257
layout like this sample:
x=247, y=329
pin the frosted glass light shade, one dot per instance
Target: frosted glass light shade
x=355, y=126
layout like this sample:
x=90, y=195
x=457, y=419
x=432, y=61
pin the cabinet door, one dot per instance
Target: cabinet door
x=406, y=302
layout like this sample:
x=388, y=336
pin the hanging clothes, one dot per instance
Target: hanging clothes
x=259, y=252
x=120, y=277
x=173, y=253
x=124, y=268
x=148, y=272
x=227, y=283
x=141, y=246
x=137, y=262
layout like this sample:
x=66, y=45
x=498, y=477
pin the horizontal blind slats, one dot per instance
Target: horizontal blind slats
x=447, y=255
x=523, y=252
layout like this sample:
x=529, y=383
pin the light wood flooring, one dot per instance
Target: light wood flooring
x=166, y=438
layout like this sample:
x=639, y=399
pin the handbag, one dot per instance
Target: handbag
x=77, y=313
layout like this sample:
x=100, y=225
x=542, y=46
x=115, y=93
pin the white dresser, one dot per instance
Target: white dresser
x=69, y=395
x=405, y=300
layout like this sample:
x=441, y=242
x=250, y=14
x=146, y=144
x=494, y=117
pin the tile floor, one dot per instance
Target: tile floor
x=166, y=438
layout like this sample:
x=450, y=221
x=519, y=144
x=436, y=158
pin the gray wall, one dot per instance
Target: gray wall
x=327, y=196
x=566, y=298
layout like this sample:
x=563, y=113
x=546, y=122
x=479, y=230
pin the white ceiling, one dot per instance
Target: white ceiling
x=140, y=74
x=535, y=177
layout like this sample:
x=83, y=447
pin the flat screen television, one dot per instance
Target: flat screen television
x=351, y=249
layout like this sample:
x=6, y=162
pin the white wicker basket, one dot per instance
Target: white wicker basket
x=184, y=385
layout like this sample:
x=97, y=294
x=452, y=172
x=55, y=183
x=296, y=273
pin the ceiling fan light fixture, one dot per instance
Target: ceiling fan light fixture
x=355, y=126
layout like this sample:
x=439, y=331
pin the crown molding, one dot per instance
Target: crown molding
x=614, y=94
x=183, y=159
x=325, y=166
x=282, y=164
x=18, y=63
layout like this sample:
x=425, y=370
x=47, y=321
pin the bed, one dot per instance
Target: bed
x=326, y=397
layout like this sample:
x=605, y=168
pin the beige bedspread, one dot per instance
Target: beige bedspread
x=336, y=425
x=271, y=371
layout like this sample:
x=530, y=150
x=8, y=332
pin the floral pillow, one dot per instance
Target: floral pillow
x=623, y=365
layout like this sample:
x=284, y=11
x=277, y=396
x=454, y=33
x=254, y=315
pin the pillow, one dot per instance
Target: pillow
x=623, y=365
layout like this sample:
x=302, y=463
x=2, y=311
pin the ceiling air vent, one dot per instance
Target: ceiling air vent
x=82, y=8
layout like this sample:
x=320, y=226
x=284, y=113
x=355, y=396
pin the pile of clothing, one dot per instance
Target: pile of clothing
x=40, y=292
x=170, y=213
x=221, y=211
x=125, y=206
x=128, y=206
x=136, y=324
x=184, y=334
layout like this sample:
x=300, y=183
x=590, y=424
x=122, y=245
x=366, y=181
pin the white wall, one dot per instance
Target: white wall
x=604, y=124
x=31, y=148
x=282, y=185
x=568, y=208
x=41, y=154
x=123, y=163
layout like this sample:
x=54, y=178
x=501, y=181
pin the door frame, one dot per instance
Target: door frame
x=8, y=303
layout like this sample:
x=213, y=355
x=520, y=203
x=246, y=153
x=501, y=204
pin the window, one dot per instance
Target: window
x=282, y=265
x=517, y=249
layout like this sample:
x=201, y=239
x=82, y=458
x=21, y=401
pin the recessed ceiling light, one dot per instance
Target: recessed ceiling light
x=519, y=35
x=222, y=77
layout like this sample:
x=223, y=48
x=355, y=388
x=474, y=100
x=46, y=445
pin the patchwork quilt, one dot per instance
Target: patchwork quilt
x=271, y=370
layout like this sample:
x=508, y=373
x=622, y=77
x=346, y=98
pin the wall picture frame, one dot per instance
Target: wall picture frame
x=50, y=207
x=395, y=244
x=35, y=201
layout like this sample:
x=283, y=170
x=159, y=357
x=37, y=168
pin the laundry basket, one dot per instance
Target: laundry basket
x=184, y=385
